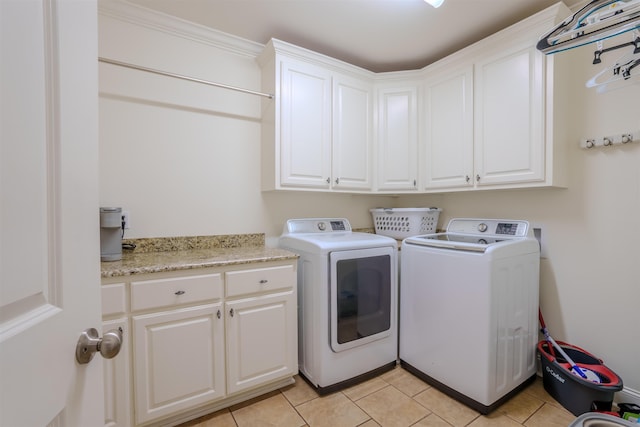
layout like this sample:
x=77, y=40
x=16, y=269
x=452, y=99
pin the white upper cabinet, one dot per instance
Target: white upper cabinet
x=352, y=133
x=490, y=111
x=317, y=131
x=448, y=126
x=397, y=136
x=489, y=116
x=509, y=115
x=305, y=125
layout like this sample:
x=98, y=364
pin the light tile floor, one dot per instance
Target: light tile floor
x=394, y=399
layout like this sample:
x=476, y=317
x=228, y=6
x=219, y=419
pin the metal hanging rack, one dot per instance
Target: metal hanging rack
x=635, y=43
x=598, y=20
x=182, y=77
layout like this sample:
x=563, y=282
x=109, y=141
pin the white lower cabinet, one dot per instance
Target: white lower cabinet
x=117, y=377
x=261, y=344
x=118, y=408
x=178, y=360
x=198, y=342
x=262, y=337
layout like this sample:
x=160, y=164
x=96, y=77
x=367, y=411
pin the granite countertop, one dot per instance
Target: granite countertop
x=174, y=254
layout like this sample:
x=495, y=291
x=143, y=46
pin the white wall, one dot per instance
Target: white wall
x=183, y=159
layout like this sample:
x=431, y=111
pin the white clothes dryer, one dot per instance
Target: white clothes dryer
x=347, y=301
x=469, y=309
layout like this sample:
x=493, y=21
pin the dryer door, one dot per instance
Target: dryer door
x=363, y=296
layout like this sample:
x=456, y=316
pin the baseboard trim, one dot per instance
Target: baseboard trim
x=627, y=395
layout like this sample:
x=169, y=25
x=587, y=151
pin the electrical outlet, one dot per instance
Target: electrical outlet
x=127, y=219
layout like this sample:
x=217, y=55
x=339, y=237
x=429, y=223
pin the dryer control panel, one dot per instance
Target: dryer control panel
x=317, y=225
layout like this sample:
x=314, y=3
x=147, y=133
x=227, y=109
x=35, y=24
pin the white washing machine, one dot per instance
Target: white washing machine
x=347, y=301
x=469, y=309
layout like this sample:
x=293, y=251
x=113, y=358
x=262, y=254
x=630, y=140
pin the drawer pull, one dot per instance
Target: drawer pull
x=263, y=281
x=180, y=292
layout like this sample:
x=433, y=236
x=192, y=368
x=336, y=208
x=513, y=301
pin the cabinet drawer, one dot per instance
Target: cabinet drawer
x=114, y=299
x=175, y=291
x=259, y=280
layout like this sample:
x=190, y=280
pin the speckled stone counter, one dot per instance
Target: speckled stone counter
x=185, y=253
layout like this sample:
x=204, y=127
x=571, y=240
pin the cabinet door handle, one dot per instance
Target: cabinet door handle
x=337, y=181
x=263, y=281
x=180, y=292
x=231, y=312
x=328, y=180
x=477, y=178
x=467, y=178
x=414, y=183
x=218, y=314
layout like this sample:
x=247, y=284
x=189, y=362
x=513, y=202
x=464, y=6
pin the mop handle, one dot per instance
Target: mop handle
x=557, y=346
x=566, y=357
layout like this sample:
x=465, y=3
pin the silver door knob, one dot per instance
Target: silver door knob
x=90, y=342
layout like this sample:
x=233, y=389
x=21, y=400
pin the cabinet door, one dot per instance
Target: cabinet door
x=352, y=134
x=509, y=113
x=448, y=155
x=178, y=360
x=261, y=340
x=305, y=134
x=117, y=379
x=397, y=138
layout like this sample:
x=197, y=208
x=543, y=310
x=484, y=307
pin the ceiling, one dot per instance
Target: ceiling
x=379, y=35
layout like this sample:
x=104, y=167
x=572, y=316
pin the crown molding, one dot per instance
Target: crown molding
x=141, y=16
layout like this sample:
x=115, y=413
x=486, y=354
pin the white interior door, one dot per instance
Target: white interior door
x=49, y=241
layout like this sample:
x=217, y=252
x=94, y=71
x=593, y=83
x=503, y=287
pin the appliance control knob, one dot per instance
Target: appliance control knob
x=321, y=226
x=482, y=227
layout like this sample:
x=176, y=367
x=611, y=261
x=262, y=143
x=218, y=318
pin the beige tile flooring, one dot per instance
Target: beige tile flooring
x=394, y=399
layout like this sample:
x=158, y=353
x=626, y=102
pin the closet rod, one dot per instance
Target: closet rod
x=179, y=76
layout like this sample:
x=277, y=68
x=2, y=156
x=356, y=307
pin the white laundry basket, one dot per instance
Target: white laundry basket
x=400, y=223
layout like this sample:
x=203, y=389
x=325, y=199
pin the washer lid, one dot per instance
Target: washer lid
x=463, y=242
x=474, y=234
